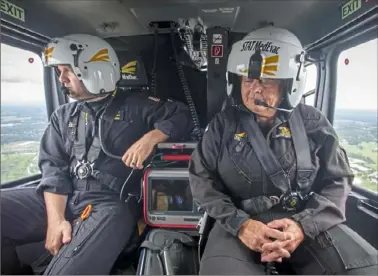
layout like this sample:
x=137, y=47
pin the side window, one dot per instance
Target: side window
x=311, y=81
x=23, y=112
x=355, y=117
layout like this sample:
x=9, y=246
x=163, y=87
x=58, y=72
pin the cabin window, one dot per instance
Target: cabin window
x=310, y=88
x=355, y=117
x=23, y=112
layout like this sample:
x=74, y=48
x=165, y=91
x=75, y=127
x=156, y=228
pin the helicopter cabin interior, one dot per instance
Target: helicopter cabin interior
x=181, y=48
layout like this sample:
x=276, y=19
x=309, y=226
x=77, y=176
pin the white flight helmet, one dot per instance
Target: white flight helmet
x=91, y=58
x=270, y=53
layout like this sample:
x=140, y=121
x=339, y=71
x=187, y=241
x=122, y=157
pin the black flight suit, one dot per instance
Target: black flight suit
x=224, y=170
x=96, y=242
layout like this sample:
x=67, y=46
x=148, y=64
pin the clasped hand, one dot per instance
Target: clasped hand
x=257, y=236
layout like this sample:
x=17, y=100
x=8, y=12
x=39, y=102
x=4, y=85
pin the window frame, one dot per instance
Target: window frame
x=337, y=51
x=328, y=100
x=315, y=90
x=30, y=48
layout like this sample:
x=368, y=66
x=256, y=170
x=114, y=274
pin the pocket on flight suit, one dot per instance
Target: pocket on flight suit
x=340, y=249
x=119, y=128
x=245, y=161
x=82, y=231
x=121, y=123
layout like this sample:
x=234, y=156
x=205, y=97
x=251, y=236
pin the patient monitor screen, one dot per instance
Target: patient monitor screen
x=171, y=195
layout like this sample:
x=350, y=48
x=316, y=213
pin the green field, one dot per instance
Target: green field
x=367, y=152
x=15, y=166
x=18, y=160
x=364, y=150
x=366, y=183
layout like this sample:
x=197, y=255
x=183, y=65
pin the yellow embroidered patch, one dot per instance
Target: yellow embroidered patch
x=239, y=136
x=117, y=116
x=284, y=132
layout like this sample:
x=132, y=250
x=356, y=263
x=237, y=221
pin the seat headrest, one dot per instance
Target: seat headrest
x=133, y=72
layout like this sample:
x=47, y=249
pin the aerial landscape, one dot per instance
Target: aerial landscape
x=21, y=130
x=357, y=131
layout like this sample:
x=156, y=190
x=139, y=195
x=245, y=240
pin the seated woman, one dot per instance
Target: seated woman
x=263, y=218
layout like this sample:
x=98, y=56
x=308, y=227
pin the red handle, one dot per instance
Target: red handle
x=175, y=157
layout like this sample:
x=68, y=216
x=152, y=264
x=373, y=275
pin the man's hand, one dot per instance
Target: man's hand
x=274, y=251
x=137, y=153
x=58, y=228
x=58, y=233
x=254, y=234
x=141, y=149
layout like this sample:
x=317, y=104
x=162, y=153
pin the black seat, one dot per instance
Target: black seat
x=228, y=101
x=133, y=72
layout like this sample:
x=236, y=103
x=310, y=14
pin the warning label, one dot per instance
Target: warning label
x=217, y=51
x=217, y=38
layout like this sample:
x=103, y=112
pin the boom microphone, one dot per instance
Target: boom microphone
x=64, y=90
x=262, y=103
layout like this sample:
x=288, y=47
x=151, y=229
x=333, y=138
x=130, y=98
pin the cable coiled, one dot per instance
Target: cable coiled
x=193, y=112
x=153, y=72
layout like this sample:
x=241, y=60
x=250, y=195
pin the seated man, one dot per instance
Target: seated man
x=291, y=216
x=78, y=207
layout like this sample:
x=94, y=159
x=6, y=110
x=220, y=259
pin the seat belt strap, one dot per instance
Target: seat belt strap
x=79, y=147
x=85, y=160
x=73, y=123
x=94, y=150
x=80, y=121
x=302, y=151
x=264, y=153
x=268, y=159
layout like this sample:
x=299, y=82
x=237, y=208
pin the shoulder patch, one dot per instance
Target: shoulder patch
x=154, y=99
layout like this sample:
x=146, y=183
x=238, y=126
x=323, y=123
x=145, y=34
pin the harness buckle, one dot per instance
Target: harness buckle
x=83, y=169
x=293, y=200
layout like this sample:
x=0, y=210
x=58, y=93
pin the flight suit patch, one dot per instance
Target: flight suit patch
x=118, y=116
x=240, y=136
x=282, y=132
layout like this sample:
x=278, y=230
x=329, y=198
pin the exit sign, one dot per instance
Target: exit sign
x=12, y=10
x=350, y=7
